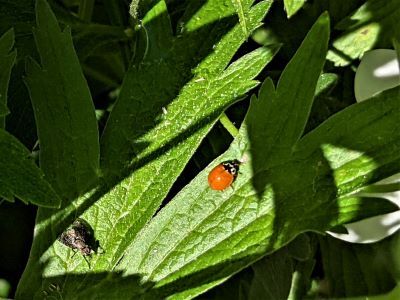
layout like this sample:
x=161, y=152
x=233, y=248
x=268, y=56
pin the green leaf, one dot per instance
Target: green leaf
x=203, y=40
x=382, y=188
x=272, y=276
x=86, y=9
x=301, y=279
x=89, y=37
x=325, y=82
x=300, y=248
x=293, y=6
x=69, y=149
x=338, y=9
x=356, y=151
x=291, y=103
x=7, y=60
x=392, y=295
x=203, y=236
x=236, y=288
x=242, y=8
x=5, y=288
x=168, y=146
x=158, y=32
x=20, y=15
x=160, y=118
x=214, y=206
x=125, y=201
x=10, y=12
x=325, y=105
x=20, y=176
x=374, y=24
x=357, y=270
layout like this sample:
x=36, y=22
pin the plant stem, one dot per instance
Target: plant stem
x=86, y=10
x=228, y=125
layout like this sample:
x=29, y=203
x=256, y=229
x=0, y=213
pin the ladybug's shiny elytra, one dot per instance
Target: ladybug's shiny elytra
x=223, y=175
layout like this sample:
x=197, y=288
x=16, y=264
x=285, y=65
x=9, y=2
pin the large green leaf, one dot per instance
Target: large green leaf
x=202, y=236
x=7, y=60
x=200, y=208
x=162, y=152
x=155, y=127
x=67, y=127
x=21, y=177
x=209, y=38
x=220, y=233
x=69, y=149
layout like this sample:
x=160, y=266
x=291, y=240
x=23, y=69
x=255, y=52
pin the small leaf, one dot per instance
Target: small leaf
x=18, y=100
x=242, y=7
x=293, y=6
x=357, y=269
x=133, y=9
x=325, y=82
x=7, y=60
x=374, y=24
x=20, y=176
x=272, y=276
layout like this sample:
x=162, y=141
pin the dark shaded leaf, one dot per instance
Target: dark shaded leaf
x=20, y=177
x=7, y=60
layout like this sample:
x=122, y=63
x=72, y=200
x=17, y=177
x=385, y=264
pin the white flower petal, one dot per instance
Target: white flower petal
x=378, y=71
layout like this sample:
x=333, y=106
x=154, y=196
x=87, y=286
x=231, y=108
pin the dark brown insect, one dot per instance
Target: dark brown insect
x=80, y=237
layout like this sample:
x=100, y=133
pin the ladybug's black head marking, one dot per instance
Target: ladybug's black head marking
x=232, y=166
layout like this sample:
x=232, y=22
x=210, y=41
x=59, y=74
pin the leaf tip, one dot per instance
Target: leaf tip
x=44, y=14
x=8, y=38
x=267, y=88
x=31, y=66
x=324, y=19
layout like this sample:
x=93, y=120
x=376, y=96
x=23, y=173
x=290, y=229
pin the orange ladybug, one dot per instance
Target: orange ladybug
x=223, y=175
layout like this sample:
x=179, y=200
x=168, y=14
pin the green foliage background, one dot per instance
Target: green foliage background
x=114, y=118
